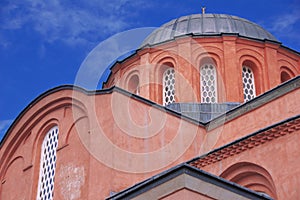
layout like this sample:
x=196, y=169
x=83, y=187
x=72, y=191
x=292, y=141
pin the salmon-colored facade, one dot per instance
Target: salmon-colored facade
x=271, y=63
x=111, y=139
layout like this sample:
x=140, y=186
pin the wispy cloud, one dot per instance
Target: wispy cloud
x=4, y=124
x=70, y=21
x=285, y=25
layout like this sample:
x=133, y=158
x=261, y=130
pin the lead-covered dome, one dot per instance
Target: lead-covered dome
x=207, y=25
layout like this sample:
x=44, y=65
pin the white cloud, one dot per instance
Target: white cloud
x=70, y=21
x=285, y=22
x=4, y=125
x=285, y=26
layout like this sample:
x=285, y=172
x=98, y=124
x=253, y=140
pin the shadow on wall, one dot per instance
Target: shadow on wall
x=251, y=176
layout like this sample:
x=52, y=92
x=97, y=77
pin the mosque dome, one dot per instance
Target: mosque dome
x=207, y=25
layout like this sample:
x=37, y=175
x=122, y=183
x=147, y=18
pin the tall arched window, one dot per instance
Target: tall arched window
x=47, y=165
x=248, y=84
x=208, y=83
x=169, y=86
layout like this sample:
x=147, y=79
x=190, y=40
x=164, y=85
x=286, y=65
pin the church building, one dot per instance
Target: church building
x=206, y=108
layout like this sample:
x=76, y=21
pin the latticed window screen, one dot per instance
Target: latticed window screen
x=248, y=84
x=208, y=84
x=47, y=165
x=169, y=86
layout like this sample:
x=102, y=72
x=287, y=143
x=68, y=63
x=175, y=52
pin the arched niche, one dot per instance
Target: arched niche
x=252, y=176
x=286, y=74
x=133, y=84
x=8, y=178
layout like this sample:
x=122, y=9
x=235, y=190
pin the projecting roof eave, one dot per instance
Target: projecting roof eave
x=266, y=97
x=97, y=92
x=119, y=60
x=206, y=35
x=172, y=173
x=259, y=137
x=255, y=103
x=291, y=50
x=194, y=35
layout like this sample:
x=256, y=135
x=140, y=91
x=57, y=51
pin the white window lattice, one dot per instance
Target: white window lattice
x=208, y=84
x=248, y=84
x=47, y=165
x=169, y=86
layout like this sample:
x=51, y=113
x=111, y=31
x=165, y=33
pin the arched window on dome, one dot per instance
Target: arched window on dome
x=47, y=165
x=208, y=83
x=134, y=84
x=168, y=86
x=248, y=83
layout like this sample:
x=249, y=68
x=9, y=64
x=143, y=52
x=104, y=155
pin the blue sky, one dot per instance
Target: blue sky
x=42, y=44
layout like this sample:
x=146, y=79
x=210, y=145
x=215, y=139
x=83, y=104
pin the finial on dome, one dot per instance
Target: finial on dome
x=203, y=9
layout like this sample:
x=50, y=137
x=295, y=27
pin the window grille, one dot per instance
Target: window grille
x=248, y=84
x=47, y=165
x=208, y=84
x=169, y=86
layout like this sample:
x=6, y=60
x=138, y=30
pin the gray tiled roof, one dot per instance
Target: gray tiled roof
x=205, y=25
x=203, y=112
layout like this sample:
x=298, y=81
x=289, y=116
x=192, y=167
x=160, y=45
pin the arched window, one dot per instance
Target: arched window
x=208, y=83
x=47, y=165
x=133, y=84
x=248, y=84
x=169, y=86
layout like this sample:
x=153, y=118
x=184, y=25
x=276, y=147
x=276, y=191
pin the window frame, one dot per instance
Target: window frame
x=251, y=84
x=170, y=87
x=48, y=141
x=204, y=92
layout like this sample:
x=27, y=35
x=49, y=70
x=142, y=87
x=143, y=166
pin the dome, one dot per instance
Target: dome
x=207, y=25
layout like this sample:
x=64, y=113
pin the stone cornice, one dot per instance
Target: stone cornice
x=255, y=139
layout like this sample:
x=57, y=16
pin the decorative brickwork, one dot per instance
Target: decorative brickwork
x=247, y=143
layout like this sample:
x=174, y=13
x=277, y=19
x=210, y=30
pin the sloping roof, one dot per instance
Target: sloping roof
x=194, y=179
x=257, y=138
x=207, y=25
x=266, y=97
x=203, y=112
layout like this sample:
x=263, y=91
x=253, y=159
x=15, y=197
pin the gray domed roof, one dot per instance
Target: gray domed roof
x=207, y=25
